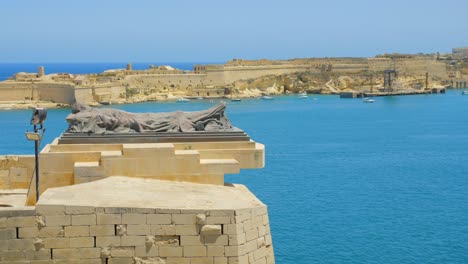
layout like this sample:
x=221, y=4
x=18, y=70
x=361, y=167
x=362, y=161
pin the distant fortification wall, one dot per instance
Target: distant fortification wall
x=223, y=75
x=21, y=91
x=84, y=94
x=166, y=82
x=55, y=92
x=411, y=66
x=158, y=82
x=13, y=91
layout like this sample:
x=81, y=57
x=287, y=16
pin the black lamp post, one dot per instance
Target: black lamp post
x=38, y=117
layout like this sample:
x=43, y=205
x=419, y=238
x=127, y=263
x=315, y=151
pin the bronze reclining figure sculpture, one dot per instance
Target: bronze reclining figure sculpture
x=86, y=119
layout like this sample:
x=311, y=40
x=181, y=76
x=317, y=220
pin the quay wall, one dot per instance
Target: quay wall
x=16, y=171
x=459, y=83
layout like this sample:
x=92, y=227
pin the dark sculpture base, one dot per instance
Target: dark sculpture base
x=156, y=137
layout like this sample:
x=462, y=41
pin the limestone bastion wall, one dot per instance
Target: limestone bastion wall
x=13, y=91
x=105, y=92
x=167, y=82
x=228, y=75
x=143, y=84
x=16, y=172
x=53, y=92
x=418, y=66
x=56, y=92
x=49, y=234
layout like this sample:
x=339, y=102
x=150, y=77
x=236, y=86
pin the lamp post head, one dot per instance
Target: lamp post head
x=33, y=136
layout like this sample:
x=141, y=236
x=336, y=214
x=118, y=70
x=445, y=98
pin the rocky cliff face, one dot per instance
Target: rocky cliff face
x=321, y=83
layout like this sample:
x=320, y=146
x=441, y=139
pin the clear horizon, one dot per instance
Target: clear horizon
x=53, y=31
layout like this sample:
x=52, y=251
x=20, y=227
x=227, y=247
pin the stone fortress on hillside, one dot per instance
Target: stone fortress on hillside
x=240, y=78
x=118, y=195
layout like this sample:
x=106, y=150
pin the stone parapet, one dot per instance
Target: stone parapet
x=130, y=220
x=199, y=162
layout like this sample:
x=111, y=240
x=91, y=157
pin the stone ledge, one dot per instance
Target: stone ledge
x=127, y=192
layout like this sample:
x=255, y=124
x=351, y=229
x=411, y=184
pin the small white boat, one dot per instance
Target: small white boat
x=200, y=98
x=368, y=100
x=303, y=96
x=465, y=93
x=236, y=100
x=182, y=100
x=265, y=97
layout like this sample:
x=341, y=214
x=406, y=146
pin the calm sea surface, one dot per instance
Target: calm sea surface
x=345, y=182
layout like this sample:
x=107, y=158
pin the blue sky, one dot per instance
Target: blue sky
x=216, y=31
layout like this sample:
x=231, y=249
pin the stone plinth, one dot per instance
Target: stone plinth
x=133, y=220
x=198, y=162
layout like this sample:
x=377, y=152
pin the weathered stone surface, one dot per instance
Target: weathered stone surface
x=107, y=219
x=117, y=252
x=57, y=242
x=195, y=251
x=81, y=242
x=215, y=251
x=159, y=219
x=105, y=252
x=168, y=251
x=38, y=244
x=86, y=219
x=138, y=230
x=108, y=241
x=134, y=219
x=102, y=230
x=183, y=219
x=191, y=241
x=132, y=240
x=211, y=230
x=58, y=220
x=76, y=231
x=201, y=219
x=121, y=230
x=201, y=196
x=40, y=221
x=80, y=233
x=166, y=240
x=138, y=260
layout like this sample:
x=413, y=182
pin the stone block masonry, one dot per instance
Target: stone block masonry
x=169, y=222
x=200, y=162
x=16, y=172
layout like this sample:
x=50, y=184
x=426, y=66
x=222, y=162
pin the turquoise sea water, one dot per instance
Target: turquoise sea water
x=345, y=182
